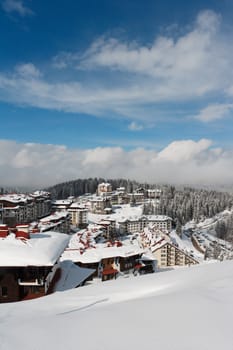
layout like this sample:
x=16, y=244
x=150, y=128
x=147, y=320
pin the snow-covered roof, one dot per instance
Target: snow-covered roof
x=39, y=193
x=152, y=218
x=62, y=202
x=41, y=249
x=105, y=222
x=95, y=255
x=98, y=199
x=15, y=198
x=58, y=215
x=158, y=217
x=159, y=245
x=121, y=189
x=77, y=206
x=152, y=190
x=72, y=276
x=148, y=256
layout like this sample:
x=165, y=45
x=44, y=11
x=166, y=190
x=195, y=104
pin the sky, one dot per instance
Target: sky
x=134, y=89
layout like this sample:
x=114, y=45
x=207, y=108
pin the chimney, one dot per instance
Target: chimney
x=22, y=232
x=4, y=231
x=23, y=227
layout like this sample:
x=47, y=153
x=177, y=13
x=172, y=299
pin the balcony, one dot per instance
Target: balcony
x=32, y=282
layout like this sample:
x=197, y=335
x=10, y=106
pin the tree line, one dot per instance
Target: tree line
x=190, y=204
x=224, y=228
x=81, y=186
x=182, y=204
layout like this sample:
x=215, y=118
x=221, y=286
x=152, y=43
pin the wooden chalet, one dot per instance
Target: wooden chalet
x=29, y=263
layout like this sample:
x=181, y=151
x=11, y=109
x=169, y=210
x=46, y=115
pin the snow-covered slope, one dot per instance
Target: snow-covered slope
x=186, y=309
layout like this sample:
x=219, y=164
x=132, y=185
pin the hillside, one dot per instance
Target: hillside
x=184, y=309
x=81, y=186
x=182, y=204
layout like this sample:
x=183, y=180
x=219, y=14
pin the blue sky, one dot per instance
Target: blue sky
x=100, y=75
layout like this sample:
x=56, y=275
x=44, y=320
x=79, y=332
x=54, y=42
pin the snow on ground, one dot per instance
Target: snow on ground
x=205, y=235
x=208, y=223
x=186, y=245
x=186, y=309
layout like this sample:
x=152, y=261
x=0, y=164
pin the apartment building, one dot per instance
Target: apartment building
x=61, y=204
x=104, y=188
x=58, y=221
x=119, y=196
x=21, y=208
x=78, y=215
x=167, y=254
x=101, y=205
x=42, y=203
x=161, y=222
x=136, y=197
x=108, y=227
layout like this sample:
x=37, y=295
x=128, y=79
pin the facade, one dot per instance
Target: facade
x=108, y=268
x=101, y=205
x=61, y=205
x=167, y=254
x=78, y=215
x=104, y=188
x=42, y=202
x=153, y=193
x=136, y=197
x=119, y=197
x=20, y=208
x=160, y=222
x=58, y=221
x=112, y=265
x=108, y=227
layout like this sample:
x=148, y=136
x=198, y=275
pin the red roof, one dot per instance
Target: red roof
x=22, y=234
x=109, y=272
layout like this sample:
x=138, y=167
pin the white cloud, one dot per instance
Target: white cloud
x=194, y=66
x=16, y=6
x=208, y=20
x=182, y=151
x=135, y=126
x=27, y=70
x=214, y=112
x=186, y=65
x=64, y=60
x=183, y=161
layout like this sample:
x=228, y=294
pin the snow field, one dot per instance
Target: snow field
x=187, y=308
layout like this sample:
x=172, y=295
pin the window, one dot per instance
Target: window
x=4, y=292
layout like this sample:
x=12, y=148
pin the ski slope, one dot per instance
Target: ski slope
x=184, y=309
